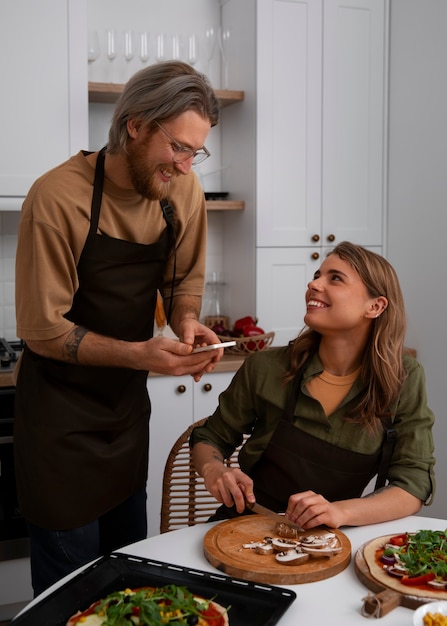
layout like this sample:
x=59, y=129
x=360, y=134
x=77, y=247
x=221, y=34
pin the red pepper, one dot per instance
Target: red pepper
x=252, y=331
x=399, y=540
x=239, y=324
x=417, y=580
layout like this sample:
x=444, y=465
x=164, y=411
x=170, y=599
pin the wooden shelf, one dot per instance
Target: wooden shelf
x=225, y=205
x=108, y=93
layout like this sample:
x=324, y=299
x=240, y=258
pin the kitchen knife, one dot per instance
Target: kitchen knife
x=262, y=510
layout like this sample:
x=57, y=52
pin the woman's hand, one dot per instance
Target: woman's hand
x=228, y=485
x=309, y=509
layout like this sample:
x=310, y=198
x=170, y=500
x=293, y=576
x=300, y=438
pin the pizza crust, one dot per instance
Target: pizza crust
x=369, y=554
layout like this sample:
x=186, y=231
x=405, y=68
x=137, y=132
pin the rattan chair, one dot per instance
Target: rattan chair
x=185, y=499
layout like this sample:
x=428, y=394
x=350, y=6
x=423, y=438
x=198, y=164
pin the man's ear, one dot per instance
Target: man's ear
x=133, y=127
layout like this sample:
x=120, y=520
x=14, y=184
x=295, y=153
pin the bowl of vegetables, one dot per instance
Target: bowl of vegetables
x=249, y=337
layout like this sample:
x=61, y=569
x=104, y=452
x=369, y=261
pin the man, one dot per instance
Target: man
x=99, y=235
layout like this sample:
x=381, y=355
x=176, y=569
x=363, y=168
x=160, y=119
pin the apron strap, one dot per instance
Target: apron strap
x=168, y=214
x=98, y=186
x=387, y=451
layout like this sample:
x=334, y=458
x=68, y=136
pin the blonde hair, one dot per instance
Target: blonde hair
x=382, y=367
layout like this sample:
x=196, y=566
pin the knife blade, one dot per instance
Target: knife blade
x=262, y=510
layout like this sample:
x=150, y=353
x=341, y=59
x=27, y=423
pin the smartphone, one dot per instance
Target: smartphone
x=214, y=346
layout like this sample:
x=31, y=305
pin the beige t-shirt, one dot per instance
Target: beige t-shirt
x=54, y=227
x=330, y=390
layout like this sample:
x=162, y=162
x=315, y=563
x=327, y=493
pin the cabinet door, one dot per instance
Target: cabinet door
x=354, y=108
x=176, y=402
x=172, y=413
x=206, y=393
x=43, y=73
x=282, y=277
x=321, y=124
x=288, y=159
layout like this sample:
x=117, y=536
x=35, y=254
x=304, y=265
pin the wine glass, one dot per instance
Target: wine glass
x=224, y=43
x=111, y=48
x=210, y=41
x=160, y=50
x=144, y=47
x=193, y=49
x=128, y=47
x=93, y=49
x=177, y=46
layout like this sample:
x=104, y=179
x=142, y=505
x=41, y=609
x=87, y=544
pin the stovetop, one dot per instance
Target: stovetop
x=9, y=353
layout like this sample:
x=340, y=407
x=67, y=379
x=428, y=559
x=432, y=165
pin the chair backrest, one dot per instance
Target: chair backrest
x=185, y=499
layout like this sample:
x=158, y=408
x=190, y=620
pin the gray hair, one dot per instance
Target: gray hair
x=160, y=92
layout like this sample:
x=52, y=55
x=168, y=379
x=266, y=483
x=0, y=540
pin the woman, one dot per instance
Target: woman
x=325, y=414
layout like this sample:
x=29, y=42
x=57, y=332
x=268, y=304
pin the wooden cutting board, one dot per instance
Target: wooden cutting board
x=386, y=597
x=223, y=549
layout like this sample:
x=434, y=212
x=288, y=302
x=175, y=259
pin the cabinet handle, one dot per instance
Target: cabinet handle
x=181, y=389
x=207, y=387
x=315, y=256
x=315, y=238
x=331, y=238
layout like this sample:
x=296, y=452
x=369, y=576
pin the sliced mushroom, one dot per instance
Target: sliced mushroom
x=281, y=543
x=292, y=557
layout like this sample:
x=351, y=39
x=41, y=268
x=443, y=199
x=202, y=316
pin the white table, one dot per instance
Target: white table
x=336, y=601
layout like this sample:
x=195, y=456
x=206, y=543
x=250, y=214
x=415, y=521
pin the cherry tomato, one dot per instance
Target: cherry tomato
x=417, y=580
x=399, y=540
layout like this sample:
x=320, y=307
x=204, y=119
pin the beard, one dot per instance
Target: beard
x=144, y=174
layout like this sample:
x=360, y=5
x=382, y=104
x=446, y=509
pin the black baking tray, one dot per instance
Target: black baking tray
x=250, y=604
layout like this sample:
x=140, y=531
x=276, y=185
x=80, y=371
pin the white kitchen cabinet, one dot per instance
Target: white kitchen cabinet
x=177, y=402
x=44, y=103
x=321, y=79
x=321, y=127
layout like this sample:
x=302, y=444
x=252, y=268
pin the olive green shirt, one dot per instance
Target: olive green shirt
x=257, y=397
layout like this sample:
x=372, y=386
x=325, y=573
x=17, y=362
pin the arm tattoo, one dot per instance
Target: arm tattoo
x=217, y=456
x=71, y=346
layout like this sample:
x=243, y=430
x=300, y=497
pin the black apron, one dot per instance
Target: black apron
x=295, y=461
x=81, y=432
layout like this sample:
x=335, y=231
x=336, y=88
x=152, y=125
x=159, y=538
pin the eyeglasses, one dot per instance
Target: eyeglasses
x=183, y=153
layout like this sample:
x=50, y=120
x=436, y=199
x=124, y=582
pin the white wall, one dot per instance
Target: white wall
x=417, y=227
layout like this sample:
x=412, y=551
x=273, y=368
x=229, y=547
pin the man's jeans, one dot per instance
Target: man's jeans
x=56, y=553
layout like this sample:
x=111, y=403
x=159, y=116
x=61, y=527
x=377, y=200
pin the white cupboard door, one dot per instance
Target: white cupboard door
x=172, y=407
x=282, y=277
x=207, y=391
x=43, y=74
x=289, y=50
x=354, y=114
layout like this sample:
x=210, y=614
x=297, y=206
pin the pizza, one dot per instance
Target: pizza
x=411, y=563
x=152, y=605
